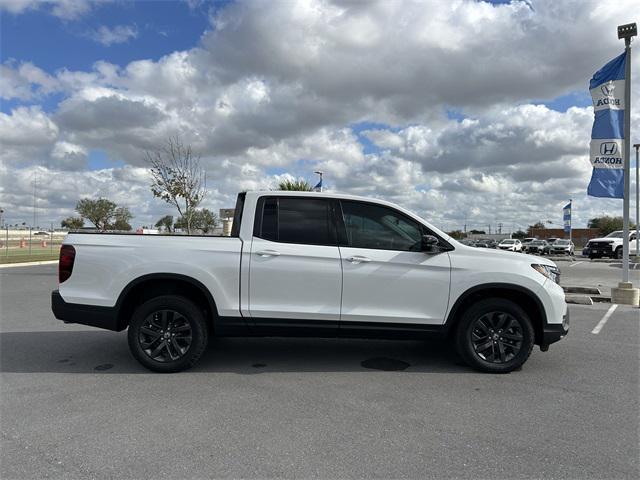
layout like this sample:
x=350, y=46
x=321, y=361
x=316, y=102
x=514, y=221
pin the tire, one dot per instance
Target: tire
x=618, y=253
x=509, y=336
x=591, y=257
x=168, y=334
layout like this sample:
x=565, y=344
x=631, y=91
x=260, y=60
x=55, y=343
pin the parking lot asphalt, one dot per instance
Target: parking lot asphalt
x=75, y=404
x=583, y=273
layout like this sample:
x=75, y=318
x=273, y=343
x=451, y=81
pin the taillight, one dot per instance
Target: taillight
x=65, y=265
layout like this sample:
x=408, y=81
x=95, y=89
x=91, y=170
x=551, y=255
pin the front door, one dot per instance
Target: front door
x=387, y=278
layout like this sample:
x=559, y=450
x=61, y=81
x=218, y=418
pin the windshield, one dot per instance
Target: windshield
x=538, y=242
x=562, y=242
x=616, y=234
x=508, y=242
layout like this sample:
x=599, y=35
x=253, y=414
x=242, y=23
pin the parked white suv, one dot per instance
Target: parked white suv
x=510, y=244
x=300, y=264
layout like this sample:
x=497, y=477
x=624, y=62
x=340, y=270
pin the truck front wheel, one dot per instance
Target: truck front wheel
x=495, y=335
x=168, y=334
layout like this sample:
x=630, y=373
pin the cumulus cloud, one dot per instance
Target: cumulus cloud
x=360, y=90
x=63, y=9
x=109, y=36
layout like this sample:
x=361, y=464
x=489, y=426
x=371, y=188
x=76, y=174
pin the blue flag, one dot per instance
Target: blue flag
x=607, y=134
x=566, y=217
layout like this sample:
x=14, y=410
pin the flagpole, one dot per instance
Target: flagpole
x=626, y=32
x=637, y=146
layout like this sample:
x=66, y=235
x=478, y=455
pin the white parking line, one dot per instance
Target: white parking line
x=574, y=264
x=601, y=323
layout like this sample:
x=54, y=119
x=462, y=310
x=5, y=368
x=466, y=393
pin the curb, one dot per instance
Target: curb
x=583, y=290
x=28, y=264
x=578, y=299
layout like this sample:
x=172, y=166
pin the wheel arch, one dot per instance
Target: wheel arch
x=152, y=285
x=524, y=297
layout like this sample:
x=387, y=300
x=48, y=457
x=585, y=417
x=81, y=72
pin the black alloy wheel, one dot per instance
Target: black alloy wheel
x=165, y=336
x=497, y=337
x=494, y=335
x=168, y=333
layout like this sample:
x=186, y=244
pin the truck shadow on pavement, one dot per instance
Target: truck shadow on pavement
x=98, y=352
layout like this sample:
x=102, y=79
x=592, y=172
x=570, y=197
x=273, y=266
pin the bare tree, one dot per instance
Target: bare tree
x=177, y=178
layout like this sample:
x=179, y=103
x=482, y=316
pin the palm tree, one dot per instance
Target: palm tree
x=298, y=185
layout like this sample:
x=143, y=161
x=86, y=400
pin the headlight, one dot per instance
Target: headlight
x=549, y=271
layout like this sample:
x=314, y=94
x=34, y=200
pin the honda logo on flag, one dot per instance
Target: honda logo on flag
x=607, y=89
x=608, y=148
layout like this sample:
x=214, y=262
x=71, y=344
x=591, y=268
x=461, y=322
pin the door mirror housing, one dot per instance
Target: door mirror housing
x=430, y=244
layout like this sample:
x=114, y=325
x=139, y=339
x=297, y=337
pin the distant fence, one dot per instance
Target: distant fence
x=30, y=242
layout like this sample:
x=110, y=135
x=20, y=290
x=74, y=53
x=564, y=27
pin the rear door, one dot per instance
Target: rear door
x=387, y=278
x=295, y=274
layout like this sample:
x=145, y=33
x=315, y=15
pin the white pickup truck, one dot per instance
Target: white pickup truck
x=311, y=264
x=610, y=246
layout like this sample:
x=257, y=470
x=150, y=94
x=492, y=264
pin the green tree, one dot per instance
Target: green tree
x=607, y=224
x=104, y=214
x=100, y=212
x=72, y=223
x=298, y=185
x=457, y=234
x=519, y=234
x=477, y=232
x=121, y=218
x=204, y=220
x=177, y=178
x=165, y=222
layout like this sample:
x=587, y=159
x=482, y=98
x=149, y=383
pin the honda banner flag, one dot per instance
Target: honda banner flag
x=566, y=217
x=607, y=134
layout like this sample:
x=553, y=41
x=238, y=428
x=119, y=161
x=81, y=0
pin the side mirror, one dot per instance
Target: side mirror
x=429, y=243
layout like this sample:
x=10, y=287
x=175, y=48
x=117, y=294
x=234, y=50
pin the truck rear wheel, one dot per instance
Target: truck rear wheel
x=495, y=336
x=168, y=334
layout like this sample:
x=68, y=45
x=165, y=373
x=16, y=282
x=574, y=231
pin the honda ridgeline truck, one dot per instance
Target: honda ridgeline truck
x=311, y=264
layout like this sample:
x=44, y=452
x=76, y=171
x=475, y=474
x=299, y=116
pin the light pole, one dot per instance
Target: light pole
x=637, y=147
x=319, y=185
x=626, y=32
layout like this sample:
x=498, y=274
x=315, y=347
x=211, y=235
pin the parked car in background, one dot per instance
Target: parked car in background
x=481, y=244
x=538, y=247
x=562, y=246
x=492, y=243
x=526, y=241
x=552, y=240
x=511, y=244
x=609, y=246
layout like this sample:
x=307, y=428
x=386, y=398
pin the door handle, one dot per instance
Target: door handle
x=268, y=253
x=358, y=259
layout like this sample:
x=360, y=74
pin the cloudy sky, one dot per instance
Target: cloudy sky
x=463, y=111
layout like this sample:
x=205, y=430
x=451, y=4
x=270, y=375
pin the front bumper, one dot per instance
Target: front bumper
x=554, y=332
x=94, y=316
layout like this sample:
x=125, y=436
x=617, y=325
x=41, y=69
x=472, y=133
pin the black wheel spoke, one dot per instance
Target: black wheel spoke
x=150, y=332
x=482, y=347
x=157, y=350
x=501, y=354
x=163, y=319
x=516, y=337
